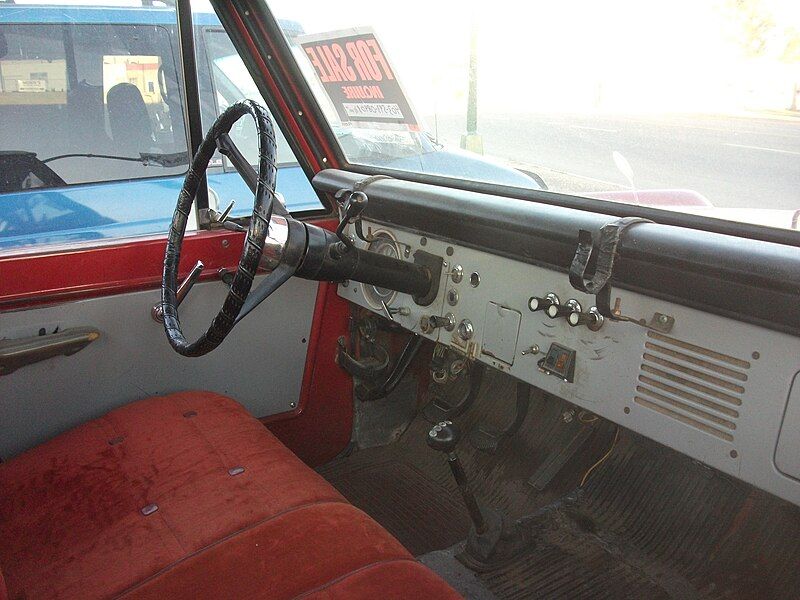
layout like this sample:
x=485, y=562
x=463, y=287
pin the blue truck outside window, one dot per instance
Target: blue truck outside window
x=93, y=142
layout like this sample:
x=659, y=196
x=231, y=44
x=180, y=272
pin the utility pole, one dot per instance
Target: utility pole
x=472, y=140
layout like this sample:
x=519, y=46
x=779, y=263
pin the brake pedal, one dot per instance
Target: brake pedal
x=488, y=439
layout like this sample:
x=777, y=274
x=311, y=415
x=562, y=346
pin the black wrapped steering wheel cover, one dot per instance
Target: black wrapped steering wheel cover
x=254, y=241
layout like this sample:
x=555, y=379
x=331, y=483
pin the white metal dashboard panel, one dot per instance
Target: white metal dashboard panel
x=720, y=398
x=787, y=456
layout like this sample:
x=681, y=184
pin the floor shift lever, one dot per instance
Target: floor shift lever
x=444, y=437
x=493, y=539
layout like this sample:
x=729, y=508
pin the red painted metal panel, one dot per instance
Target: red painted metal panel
x=119, y=267
x=321, y=426
x=286, y=111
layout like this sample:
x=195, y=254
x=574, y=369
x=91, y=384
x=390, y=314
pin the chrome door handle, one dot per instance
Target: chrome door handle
x=157, y=312
x=26, y=351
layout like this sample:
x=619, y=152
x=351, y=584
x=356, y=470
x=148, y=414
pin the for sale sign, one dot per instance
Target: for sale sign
x=357, y=77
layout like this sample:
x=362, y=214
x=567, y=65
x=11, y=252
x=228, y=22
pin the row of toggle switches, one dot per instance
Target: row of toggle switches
x=571, y=309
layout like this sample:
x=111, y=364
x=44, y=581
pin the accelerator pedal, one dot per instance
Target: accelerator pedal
x=571, y=438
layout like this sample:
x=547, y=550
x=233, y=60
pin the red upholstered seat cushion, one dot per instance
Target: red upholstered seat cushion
x=232, y=513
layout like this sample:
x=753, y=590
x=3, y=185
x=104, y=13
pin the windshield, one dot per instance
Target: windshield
x=690, y=105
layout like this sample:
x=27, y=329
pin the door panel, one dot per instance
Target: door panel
x=260, y=364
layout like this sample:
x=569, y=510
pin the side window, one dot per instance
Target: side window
x=231, y=82
x=82, y=98
x=92, y=123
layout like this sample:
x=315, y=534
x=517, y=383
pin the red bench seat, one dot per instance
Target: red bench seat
x=187, y=496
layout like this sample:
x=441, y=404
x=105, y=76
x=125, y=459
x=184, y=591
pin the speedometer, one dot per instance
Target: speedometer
x=384, y=243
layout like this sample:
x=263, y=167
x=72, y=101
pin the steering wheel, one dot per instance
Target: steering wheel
x=269, y=219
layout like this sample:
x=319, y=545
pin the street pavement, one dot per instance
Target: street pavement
x=748, y=161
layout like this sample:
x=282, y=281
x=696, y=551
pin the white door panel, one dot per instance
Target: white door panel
x=260, y=363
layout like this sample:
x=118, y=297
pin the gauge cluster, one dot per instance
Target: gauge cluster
x=664, y=370
x=383, y=242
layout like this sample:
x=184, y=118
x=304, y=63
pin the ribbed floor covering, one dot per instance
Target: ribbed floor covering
x=649, y=523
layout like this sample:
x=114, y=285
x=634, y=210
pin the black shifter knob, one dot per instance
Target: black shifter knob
x=444, y=437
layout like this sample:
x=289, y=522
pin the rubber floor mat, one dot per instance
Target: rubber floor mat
x=647, y=522
x=568, y=563
x=419, y=512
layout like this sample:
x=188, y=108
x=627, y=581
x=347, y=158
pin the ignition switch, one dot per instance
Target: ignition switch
x=466, y=330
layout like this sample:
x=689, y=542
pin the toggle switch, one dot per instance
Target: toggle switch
x=429, y=324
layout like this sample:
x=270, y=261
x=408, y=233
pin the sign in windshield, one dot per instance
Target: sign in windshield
x=359, y=81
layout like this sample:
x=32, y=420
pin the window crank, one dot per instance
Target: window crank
x=157, y=312
x=221, y=218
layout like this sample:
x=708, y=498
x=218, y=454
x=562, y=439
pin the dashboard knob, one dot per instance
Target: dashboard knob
x=592, y=319
x=535, y=303
x=466, y=330
x=576, y=319
x=554, y=311
x=436, y=321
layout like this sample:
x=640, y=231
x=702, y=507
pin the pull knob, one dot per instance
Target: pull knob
x=592, y=319
x=535, y=303
x=554, y=311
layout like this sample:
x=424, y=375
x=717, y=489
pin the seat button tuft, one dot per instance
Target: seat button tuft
x=190, y=413
x=235, y=471
x=116, y=440
x=149, y=509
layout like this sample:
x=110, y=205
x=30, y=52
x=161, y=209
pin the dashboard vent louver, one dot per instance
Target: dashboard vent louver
x=699, y=387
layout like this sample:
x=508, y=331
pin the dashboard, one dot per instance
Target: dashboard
x=723, y=391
